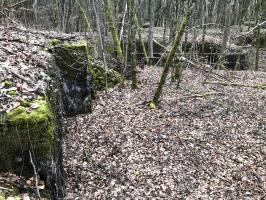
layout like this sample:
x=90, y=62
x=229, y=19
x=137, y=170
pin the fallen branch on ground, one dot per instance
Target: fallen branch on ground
x=208, y=24
x=17, y=185
x=203, y=95
x=20, y=76
x=7, y=50
x=202, y=66
x=258, y=86
x=3, y=188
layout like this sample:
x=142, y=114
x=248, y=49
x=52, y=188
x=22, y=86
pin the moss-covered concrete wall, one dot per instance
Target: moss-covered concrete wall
x=33, y=126
x=71, y=59
x=82, y=75
x=24, y=129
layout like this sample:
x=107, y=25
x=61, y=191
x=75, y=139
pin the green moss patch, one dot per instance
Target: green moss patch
x=42, y=113
x=7, y=83
x=22, y=130
x=54, y=42
x=98, y=74
x=80, y=46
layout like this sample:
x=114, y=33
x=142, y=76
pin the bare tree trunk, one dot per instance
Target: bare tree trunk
x=123, y=23
x=67, y=22
x=177, y=72
x=257, y=33
x=226, y=33
x=215, y=10
x=151, y=18
x=204, y=21
x=34, y=7
x=62, y=16
x=132, y=43
x=88, y=28
x=101, y=42
x=164, y=31
x=135, y=19
x=173, y=21
x=108, y=15
x=178, y=37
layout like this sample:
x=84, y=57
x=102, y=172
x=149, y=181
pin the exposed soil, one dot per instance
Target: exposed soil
x=203, y=142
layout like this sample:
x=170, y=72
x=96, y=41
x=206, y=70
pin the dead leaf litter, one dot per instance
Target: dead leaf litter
x=193, y=147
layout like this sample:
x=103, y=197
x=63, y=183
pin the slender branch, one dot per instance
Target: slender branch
x=9, y=18
x=35, y=175
x=159, y=44
x=201, y=66
x=123, y=23
x=18, y=3
x=253, y=29
x=19, y=76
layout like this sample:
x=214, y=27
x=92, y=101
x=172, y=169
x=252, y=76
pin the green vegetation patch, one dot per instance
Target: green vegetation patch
x=99, y=76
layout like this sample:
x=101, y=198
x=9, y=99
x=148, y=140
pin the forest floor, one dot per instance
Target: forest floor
x=203, y=142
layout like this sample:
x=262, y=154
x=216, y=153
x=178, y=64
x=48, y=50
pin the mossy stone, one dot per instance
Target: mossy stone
x=22, y=131
x=72, y=61
x=99, y=77
x=82, y=76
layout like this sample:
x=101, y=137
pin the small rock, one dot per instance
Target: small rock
x=70, y=196
x=35, y=105
x=19, y=86
x=75, y=161
x=28, y=182
x=25, y=197
x=84, y=164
